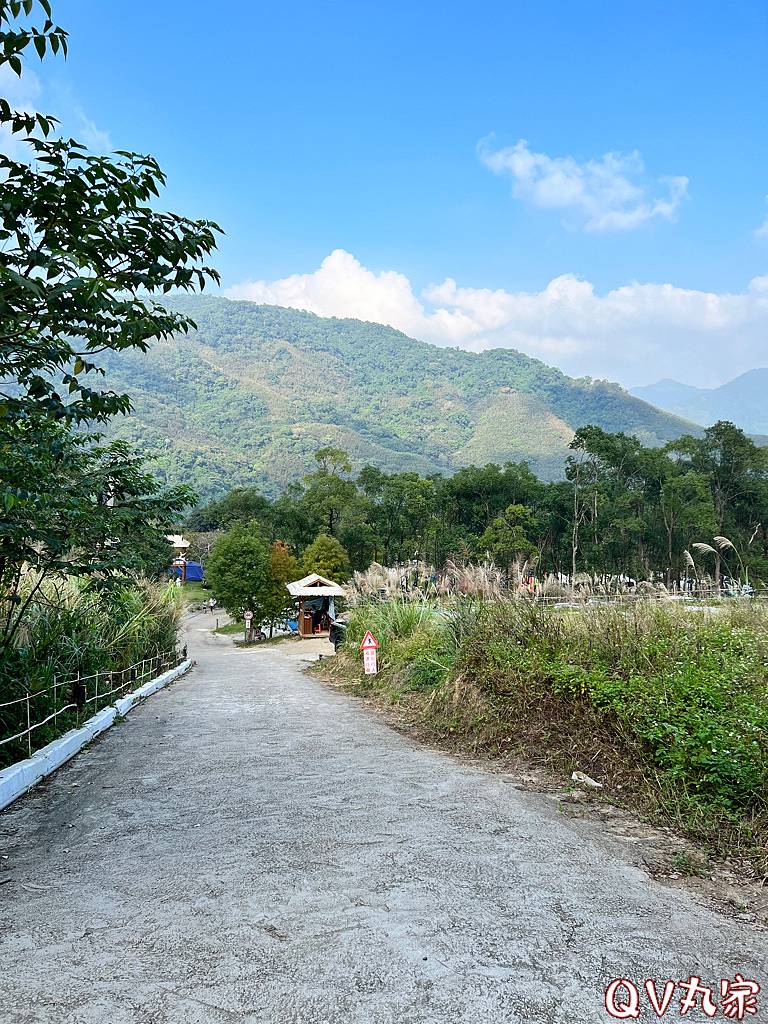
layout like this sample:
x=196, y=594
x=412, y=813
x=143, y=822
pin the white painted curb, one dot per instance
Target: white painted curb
x=22, y=776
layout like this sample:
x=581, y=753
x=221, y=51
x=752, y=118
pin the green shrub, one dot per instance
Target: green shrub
x=692, y=691
x=72, y=629
x=416, y=642
x=389, y=622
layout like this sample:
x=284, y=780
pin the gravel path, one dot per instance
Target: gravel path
x=251, y=846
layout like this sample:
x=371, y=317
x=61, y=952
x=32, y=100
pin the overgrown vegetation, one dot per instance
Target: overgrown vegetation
x=666, y=706
x=246, y=573
x=74, y=508
x=70, y=630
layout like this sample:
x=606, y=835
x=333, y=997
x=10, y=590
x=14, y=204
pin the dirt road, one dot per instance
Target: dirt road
x=251, y=846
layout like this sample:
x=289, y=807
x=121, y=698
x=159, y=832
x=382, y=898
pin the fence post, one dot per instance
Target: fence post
x=29, y=729
x=78, y=694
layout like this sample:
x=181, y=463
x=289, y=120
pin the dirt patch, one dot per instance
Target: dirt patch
x=307, y=647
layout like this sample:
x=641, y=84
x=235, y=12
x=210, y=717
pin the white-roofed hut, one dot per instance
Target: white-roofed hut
x=316, y=596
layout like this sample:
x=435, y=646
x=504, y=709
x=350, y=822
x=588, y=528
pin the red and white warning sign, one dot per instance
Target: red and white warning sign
x=369, y=646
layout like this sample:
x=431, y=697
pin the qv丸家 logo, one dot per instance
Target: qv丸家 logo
x=733, y=998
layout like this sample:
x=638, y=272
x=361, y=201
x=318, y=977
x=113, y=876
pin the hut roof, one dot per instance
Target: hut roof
x=315, y=585
x=178, y=540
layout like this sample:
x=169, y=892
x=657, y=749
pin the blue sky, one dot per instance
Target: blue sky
x=461, y=146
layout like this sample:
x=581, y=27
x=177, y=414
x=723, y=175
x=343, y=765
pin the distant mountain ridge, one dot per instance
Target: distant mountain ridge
x=251, y=395
x=743, y=401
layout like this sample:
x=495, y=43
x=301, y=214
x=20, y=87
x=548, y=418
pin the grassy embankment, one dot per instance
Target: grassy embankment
x=667, y=707
x=232, y=628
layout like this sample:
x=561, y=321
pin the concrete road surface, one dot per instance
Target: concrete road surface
x=250, y=846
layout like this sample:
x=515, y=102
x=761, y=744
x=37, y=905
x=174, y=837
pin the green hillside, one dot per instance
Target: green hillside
x=250, y=396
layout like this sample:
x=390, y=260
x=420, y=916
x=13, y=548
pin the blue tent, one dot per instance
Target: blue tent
x=194, y=572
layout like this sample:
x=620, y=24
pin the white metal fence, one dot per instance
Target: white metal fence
x=37, y=716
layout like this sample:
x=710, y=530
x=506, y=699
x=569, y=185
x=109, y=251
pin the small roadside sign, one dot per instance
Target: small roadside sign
x=369, y=646
x=247, y=620
x=370, y=643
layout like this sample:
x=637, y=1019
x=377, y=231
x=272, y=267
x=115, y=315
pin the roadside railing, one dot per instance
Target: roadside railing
x=587, y=596
x=37, y=716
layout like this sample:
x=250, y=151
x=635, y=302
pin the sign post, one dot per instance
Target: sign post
x=369, y=647
x=247, y=619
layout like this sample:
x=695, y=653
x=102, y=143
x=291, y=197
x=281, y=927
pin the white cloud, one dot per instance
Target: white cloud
x=94, y=138
x=24, y=94
x=342, y=286
x=636, y=334
x=20, y=91
x=609, y=194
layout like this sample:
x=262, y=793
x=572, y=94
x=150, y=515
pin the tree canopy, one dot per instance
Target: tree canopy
x=82, y=250
x=326, y=557
x=238, y=572
x=83, y=253
x=624, y=509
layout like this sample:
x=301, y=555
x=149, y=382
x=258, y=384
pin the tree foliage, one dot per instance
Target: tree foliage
x=624, y=509
x=283, y=569
x=246, y=573
x=239, y=572
x=326, y=557
x=73, y=506
x=506, y=540
x=83, y=255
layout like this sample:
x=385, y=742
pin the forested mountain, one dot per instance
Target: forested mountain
x=249, y=397
x=742, y=401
